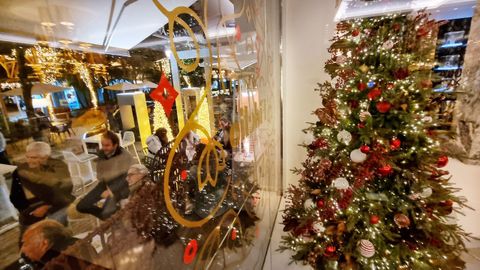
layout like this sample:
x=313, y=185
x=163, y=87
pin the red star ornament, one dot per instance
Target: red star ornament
x=165, y=94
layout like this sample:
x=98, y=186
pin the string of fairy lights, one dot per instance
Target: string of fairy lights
x=47, y=64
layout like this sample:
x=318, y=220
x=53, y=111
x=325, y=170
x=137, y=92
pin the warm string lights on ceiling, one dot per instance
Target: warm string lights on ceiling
x=45, y=62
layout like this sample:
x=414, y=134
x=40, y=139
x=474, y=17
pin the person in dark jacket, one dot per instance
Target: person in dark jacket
x=41, y=187
x=112, y=168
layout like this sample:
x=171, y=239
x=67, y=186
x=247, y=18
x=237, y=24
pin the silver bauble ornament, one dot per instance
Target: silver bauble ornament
x=357, y=156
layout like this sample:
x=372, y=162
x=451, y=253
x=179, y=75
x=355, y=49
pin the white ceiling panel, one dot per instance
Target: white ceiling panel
x=119, y=24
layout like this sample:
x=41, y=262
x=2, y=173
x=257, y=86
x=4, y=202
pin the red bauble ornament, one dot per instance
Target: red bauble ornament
x=374, y=93
x=442, y=161
x=385, y=170
x=362, y=86
x=361, y=125
x=390, y=86
x=330, y=249
x=365, y=149
x=184, y=175
x=355, y=32
x=396, y=26
x=395, y=144
x=446, y=203
x=383, y=106
x=320, y=203
x=446, y=207
x=374, y=219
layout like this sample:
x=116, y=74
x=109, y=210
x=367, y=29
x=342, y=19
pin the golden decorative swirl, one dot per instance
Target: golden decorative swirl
x=212, y=145
x=210, y=148
x=173, y=16
x=213, y=241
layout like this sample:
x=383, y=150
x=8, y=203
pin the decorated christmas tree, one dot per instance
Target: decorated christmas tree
x=371, y=193
x=160, y=120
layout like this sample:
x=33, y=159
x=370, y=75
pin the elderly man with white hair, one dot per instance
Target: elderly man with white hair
x=41, y=187
x=136, y=177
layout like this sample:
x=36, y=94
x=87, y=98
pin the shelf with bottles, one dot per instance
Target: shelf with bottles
x=452, y=41
x=451, y=44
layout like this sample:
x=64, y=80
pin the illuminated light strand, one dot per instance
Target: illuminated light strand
x=84, y=72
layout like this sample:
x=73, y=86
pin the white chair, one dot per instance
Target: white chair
x=129, y=141
x=81, y=170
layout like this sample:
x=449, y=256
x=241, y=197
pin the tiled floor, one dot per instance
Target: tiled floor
x=464, y=176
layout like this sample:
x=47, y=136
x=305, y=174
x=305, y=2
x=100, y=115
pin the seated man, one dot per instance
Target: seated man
x=44, y=241
x=112, y=167
x=137, y=175
x=41, y=187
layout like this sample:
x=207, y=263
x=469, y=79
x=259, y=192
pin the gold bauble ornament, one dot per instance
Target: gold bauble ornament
x=363, y=68
x=401, y=220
